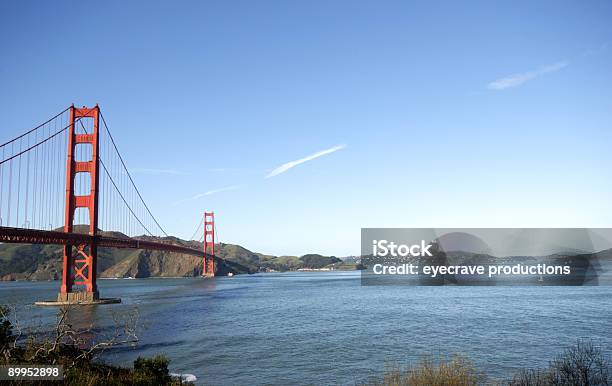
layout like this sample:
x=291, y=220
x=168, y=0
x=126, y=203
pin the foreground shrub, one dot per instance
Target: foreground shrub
x=531, y=378
x=6, y=328
x=583, y=364
x=155, y=369
x=457, y=371
x=71, y=349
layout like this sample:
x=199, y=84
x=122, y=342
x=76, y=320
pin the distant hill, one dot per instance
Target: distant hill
x=283, y=263
x=290, y=263
x=43, y=262
x=318, y=261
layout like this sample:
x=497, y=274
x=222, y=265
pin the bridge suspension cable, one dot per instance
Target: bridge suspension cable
x=32, y=171
x=197, y=231
x=33, y=181
x=137, y=197
x=35, y=128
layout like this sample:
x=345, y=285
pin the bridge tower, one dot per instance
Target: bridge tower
x=209, y=244
x=79, y=265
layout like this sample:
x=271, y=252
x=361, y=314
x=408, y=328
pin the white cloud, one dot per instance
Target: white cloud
x=286, y=166
x=214, y=191
x=209, y=193
x=518, y=79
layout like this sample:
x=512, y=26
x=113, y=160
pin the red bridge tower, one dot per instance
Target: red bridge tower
x=79, y=268
x=209, y=244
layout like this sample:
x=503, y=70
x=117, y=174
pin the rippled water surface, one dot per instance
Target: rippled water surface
x=324, y=328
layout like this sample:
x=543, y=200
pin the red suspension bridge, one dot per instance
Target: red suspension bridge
x=66, y=175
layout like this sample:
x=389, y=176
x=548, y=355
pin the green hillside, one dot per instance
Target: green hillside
x=43, y=262
x=291, y=263
x=318, y=261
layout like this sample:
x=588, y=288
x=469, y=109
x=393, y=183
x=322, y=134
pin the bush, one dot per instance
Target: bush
x=580, y=365
x=6, y=328
x=455, y=372
x=531, y=378
x=583, y=364
x=66, y=347
x=154, y=369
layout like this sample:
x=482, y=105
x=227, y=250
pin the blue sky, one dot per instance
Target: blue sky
x=442, y=114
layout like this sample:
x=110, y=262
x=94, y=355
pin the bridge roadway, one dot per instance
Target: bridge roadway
x=33, y=236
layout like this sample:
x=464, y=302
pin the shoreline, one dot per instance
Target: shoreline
x=192, y=277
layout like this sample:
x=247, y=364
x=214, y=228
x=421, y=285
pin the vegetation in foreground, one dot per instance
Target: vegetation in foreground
x=457, y=371
x=583, y=364
x=76, y=351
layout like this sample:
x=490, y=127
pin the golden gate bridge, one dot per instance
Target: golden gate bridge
x=64, y=182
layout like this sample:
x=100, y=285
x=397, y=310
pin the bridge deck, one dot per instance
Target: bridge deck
x=33, y=236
